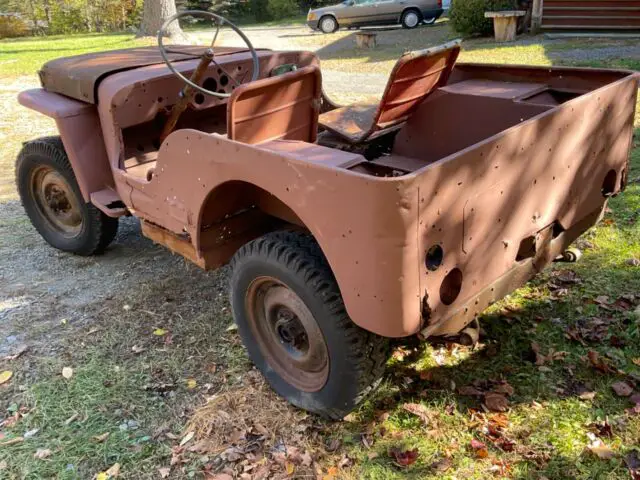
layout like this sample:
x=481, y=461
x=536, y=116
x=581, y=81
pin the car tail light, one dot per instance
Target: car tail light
x=439, y=3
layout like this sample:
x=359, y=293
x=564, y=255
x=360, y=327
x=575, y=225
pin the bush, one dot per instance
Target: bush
x=279, y=9
x=12, y=26
x=467, y=16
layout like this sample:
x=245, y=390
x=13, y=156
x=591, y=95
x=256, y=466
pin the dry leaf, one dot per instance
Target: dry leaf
x=101, y=438
x=289, y=468
x=442, y=465
x=418, y=410
x=598, y=448
x=160, y=332
x=622, y=389
x=505, y=388
x=21, y=349
x=137, y=349
x=404, y=458
x=479, y=448
x=632, y=460
x=496, y=402
x=67, y=372
x=470, y=390
x=42, y=453
x=12, y=441
x=164, y=472
x=186, y=438
x=113, y=471
x=5, y=376
x=191, y=383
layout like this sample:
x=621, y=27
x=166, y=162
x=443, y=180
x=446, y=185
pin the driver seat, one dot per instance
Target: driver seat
x=414, y=77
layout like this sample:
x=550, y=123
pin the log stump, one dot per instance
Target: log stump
x=505, y=24
x=366, y=40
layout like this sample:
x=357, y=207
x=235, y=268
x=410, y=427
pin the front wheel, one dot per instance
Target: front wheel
x=53, y=202
x=328, y=24
x=293, y=323
x=411, y=19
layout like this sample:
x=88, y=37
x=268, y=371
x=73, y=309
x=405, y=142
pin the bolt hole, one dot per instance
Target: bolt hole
x=451, y=286
x=199, y=98
x=224, y=80
x=435, y=255
x=210, y=84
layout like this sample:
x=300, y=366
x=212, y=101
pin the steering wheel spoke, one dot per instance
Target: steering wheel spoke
x=219, y=21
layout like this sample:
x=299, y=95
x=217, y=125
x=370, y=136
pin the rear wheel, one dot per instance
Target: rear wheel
x=293, y=323
x=53, y=202
x=411, y=19
x=328, y=24
x=429, y=21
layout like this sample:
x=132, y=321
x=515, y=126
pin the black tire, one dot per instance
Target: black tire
x=356, y=358
x=429, y=21
x=328, y=24
x=95, y=230
x=411, y=18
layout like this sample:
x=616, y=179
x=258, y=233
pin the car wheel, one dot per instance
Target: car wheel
x=53, y=202
x=292, y=320
x=328, y=24
x=411, y=19
x=429, y=21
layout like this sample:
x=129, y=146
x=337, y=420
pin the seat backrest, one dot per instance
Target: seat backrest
x=414, y=77
x=281, y=107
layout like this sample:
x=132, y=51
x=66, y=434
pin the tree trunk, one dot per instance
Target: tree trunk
x=154, y=14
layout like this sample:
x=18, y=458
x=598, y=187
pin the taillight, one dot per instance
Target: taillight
x=440, y=3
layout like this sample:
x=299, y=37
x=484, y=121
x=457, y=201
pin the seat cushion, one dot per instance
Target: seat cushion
x=353, y=122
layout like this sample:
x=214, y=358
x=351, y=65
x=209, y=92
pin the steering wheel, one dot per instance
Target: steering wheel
x=219, y=21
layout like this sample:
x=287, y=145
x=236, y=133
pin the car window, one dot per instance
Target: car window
x=364, y=2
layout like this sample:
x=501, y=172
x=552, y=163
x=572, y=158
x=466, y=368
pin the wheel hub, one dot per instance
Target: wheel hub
x=287, y=334
x=56, y=201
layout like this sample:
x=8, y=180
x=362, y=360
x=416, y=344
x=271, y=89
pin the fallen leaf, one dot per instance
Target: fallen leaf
x=404, y=458
x=191, y=383
x=102, y=437
x=137, y=349
x=505, y=388
x=160, y=332
x=441, y=465
x=496, y=402
x=164, y=472
x=113, y=471
x=31, y=433
x=42, y=453
x=636, y=361
x=5, y=376
x=599, y=363
x=232, y=328
x=372, y=455
x=632, y=460
x=470, y=390
x=67, y=372
x=622, y=389
x=186, y=438
x=21, y=349
x=479, y=448
x=418, y=410
x=71, y=419
x=12, y=441
x=599, y=449
x=289, y=468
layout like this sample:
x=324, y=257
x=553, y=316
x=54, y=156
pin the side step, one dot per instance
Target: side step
x=109, y=202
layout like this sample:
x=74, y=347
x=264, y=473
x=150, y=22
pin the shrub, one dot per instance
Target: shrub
x=279, y=9
x=467, y=16
x=12, y=26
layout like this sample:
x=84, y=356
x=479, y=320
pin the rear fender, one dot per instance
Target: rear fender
x=79, y=127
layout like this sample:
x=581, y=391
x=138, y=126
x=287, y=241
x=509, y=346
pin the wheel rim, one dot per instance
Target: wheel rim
x=287, y=334
x=411, y=19
x=328, y=25
x=56, y=201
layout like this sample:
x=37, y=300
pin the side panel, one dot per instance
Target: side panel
x=504, y=201
x=79, y=127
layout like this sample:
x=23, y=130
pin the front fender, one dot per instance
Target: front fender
x=79, y=127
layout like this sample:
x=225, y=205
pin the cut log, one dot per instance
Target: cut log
x=504, y=24
x=366, y=40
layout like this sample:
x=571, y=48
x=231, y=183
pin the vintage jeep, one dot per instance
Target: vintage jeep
x=344, y=226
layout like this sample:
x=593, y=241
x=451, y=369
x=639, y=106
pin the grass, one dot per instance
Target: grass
x=144, y=400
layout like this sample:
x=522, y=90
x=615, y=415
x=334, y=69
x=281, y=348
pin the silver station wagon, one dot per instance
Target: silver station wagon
x=357, y=13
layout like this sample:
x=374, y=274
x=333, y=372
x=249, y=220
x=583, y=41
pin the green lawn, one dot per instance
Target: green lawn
x=145, y=399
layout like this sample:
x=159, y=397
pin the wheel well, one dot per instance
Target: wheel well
x=235, y=213
x=409, y=9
